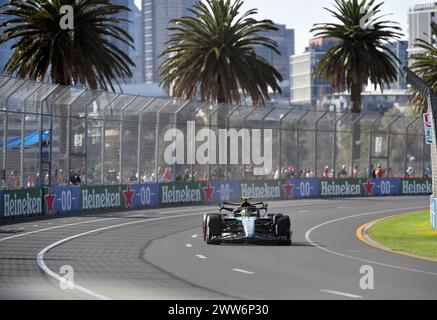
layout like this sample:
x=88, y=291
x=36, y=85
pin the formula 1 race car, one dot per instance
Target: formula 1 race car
x=246, y=223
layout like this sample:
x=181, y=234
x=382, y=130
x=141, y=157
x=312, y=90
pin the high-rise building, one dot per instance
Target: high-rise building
x=285, y=39
x=400, y=49
x=305, y=90
x=156, y=17
x=420, y=18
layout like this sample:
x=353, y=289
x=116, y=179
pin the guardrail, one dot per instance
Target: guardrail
x=57, y=200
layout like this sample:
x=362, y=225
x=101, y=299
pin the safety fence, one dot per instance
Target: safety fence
x=81, y=199
x=52, y=133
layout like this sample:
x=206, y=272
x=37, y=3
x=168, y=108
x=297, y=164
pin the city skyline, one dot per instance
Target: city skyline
x=291, y=13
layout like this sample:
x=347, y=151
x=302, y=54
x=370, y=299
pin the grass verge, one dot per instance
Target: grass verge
x=411, y=233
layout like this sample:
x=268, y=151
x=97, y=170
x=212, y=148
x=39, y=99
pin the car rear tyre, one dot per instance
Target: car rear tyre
x=282, y=229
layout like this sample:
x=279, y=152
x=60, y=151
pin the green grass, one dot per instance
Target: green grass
x=410, y=233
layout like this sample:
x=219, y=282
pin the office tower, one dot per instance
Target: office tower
x=305, y=90
x=420, y=18
x=400, y=49
x=156, y=17
x=285, y=39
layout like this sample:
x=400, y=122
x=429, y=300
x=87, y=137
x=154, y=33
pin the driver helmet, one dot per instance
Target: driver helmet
x=245, y=213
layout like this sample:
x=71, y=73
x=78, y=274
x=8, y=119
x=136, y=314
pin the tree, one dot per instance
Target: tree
x=425, y=65
x=82, y=55
x=212, y=52
x=361, y=55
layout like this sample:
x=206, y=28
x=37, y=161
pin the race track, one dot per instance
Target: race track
x=159, y=254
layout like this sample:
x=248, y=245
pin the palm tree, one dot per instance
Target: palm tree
x=360, y=55
x=212, y=53
x=82, y=55
x=425, y=65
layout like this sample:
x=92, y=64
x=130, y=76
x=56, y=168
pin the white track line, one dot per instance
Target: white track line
x=243, y=271
x=188, y=245
x=308, y=239
x=43, y=266
x=344, y=294
x=194, y=236
x=201, y=257
x=52, y=228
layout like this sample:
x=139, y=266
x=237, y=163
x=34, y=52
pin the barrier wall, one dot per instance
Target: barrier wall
x=58, y=200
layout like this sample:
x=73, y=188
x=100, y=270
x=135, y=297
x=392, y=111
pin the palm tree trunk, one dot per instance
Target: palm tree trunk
x=355, y=109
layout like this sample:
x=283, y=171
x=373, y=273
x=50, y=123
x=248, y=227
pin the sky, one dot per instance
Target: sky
x=302, y=14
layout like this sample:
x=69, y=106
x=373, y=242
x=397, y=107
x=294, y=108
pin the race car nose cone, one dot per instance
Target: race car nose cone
x=249, y=226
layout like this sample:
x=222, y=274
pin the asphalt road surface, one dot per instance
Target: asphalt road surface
x=160, y=254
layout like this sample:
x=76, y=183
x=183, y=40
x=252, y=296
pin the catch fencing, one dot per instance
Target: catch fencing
x=51, y=133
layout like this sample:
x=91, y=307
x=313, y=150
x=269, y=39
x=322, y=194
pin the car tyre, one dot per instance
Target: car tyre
x=282, y=229
x=214, y=228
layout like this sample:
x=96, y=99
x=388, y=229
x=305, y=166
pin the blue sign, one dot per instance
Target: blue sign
x=59, y=200
x=382, y=187
x=223, y=191
x=433, y=212
x=303, y=188
x=145, y=195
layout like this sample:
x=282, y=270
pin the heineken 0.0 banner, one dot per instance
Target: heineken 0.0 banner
x=59, y=200
x=141, y=195
x=223, y=191
x=182, y=193
x=301, y=188
x=415, y=187
x=22, y=203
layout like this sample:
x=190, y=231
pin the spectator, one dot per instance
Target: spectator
x=276, y=175
x=343, y=173
x=390, y=173
x=355, y=171
x=133, y=178
x=326, y=172
x=379, y=173
x=410, y=172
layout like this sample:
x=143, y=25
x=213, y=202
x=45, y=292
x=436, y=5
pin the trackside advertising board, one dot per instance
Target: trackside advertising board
x=415, y=187
x=57, y=200
x=22, y=203
x=182, y=193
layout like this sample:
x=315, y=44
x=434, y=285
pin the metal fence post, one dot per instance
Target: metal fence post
x=280, y=141
x=406, y=145
x=227, y=128
x=157, y=140
x=5, y=132
x=121, y=149
x=140, y=129
x=352, y=140
x=370, y=143
x=297, y=141
x=23, y=128
x=316, y=144
x=334, y=144
x=388, y=139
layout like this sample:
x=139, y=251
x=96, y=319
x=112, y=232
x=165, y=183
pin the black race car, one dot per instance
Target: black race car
x=245, y=223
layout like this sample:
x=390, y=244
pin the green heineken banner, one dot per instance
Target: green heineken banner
x=415, y=186
x=101, y=198
x=183, y=193
x=263, y=190
x=22, y=203
x=342, y=187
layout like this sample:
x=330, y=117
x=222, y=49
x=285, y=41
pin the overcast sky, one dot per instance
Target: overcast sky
x=302, y=14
